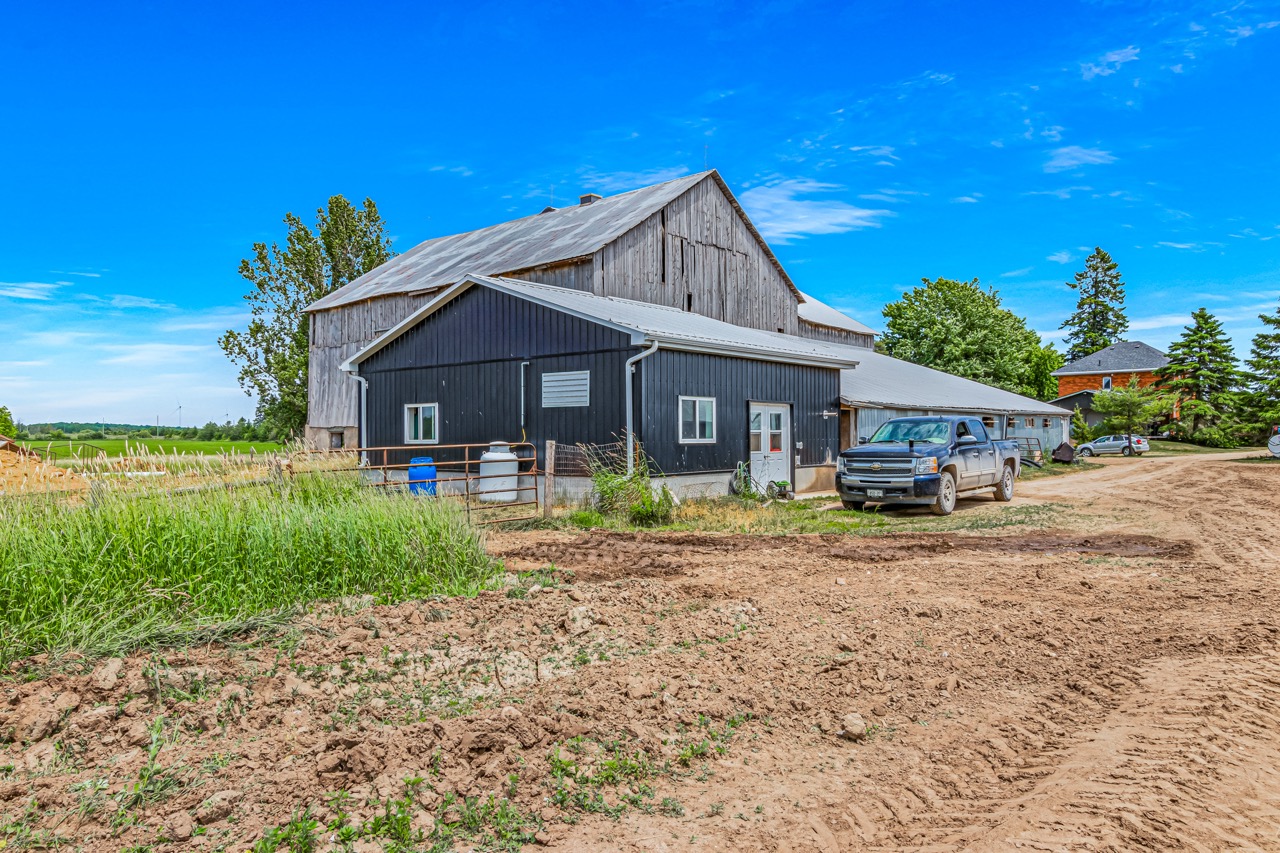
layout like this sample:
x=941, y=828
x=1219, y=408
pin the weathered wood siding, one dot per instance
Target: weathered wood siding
x=817, y=332
x=734, y=382
x=466, y=357
x=697, y=253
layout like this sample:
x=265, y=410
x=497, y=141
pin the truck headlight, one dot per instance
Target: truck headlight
x=928, y=465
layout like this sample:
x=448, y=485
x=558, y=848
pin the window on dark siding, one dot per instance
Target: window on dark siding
x=697, y=420
x=422, y=423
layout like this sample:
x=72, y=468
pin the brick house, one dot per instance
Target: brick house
x=1112, y=367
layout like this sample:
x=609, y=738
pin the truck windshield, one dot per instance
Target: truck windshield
x=927, y=432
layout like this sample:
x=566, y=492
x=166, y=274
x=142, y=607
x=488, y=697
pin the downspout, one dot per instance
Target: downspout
x=523, y=365
x=364, y=410
x=631, y=437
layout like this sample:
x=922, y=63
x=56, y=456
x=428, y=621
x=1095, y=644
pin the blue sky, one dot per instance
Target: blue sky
x=145, y=148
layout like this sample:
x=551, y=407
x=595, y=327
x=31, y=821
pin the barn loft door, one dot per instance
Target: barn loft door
x=770, y=442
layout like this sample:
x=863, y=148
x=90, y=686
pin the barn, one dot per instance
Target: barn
x=497, y=358
x=685, y=244
x=541, y=328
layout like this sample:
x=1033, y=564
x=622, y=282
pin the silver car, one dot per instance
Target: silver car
x=1125, y=445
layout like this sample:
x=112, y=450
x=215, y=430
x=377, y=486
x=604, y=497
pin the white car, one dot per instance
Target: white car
x=1125, y=445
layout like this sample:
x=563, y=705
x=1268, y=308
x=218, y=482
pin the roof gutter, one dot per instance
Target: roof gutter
x=351, y=370
x=631, y=436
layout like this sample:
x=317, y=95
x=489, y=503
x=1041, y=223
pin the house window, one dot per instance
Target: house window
x=1106, y=383
x=565, y=390
x=336, y=438
x=697, y=420
x=422, y=423
x=1010, y=423
x=989, y=421
x=1046, y=423
x=1030, y=423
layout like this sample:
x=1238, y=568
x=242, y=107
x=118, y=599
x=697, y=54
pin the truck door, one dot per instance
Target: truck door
x=970, y=467
x=984, y=455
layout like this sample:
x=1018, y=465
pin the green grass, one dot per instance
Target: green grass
x=124, y=571
x=1182, y=448
x=813, y=515
x=68, y=450
x=1056, y=469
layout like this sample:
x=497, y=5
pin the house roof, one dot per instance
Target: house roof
x=1069, y=401
x=670, y=328
x=822, y=314
x=882, y=381
x=1122, y=356
x=551, y=237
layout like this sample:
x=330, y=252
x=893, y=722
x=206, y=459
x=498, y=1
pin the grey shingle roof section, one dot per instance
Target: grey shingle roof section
x=1122, y=356
x=881, y=381
x=822, y=314
x=670, y=327
x=545, y=238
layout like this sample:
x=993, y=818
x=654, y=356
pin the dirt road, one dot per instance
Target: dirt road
x=1107, y=683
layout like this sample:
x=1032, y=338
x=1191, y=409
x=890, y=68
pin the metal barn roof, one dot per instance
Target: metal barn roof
x=1130, y=356
x=881, y=381
x=669, y=327
x=545, y=238
x=822, y=314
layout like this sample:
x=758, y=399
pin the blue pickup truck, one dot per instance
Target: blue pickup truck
x=928, y=461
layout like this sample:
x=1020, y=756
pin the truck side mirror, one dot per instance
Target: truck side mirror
x=862, y=439
x=967, y=439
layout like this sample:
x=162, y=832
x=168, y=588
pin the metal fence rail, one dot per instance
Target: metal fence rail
x=458, y=474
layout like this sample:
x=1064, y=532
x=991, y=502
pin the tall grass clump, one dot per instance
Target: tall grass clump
x=629, y=494
x=123, y=570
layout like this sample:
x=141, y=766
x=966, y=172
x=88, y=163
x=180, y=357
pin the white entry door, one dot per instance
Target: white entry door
x=770, y=443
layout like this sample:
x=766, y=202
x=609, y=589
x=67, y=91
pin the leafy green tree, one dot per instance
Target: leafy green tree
x=1128, y=408
x=1262, y=400
x=1099, y=320
x=960, y=328
x=7, y=427
x=272, y=353
x=1201, y=373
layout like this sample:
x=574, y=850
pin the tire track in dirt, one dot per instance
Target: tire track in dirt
x=1188, y=761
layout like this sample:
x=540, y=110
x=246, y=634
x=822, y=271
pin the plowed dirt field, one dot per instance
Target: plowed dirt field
x=1109, y=682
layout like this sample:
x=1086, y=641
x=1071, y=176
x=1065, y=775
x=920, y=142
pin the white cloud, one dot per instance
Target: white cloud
x=70, y=272
x=29, y=290
x=1170, y=245
x=1161, y=321
x=154, y=353
x=613, y=182
x=1063, y=193
x=1061, y=159
x=967, y=199
x=1109, y=63
x=1063, y=257
x=782, y=216
x=1016, y=273
x=461, y=171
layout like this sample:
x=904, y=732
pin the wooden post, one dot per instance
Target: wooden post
x=549, y=480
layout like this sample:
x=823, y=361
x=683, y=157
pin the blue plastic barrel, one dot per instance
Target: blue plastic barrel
x=422, y=475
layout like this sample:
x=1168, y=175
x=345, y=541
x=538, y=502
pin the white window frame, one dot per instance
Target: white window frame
x=1029, y=423
x=680, y=419
x=1106, y=383
x=435, y=420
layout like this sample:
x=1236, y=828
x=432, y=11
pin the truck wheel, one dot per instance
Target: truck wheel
x=1004, y=489
x=1086, y=451
x=946, y=501
x=858, y=505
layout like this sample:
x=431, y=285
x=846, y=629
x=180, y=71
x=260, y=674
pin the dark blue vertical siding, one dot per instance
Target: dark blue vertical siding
x=734, y=382
x=466, y=357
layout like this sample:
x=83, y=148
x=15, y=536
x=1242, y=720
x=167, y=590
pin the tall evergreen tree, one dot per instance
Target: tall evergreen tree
x=1099, y=320
x=272, y=353
x=1263, y=377
x=1201, y=372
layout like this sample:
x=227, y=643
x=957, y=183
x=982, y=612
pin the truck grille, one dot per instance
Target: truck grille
x=879, y=467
